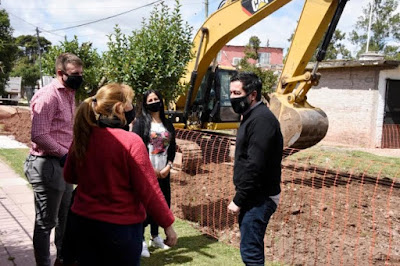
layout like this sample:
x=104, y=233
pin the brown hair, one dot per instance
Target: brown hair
x=67, y=58
x=106, y=102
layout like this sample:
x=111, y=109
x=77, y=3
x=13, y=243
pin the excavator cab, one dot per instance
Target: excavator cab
x=212, y=104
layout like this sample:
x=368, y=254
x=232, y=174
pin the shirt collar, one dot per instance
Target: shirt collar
x=59, y=85
x=251, y=108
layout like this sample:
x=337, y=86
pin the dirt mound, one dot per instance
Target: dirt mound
x=16, y=122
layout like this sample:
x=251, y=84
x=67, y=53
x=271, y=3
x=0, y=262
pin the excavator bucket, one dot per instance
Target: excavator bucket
x=301, y=126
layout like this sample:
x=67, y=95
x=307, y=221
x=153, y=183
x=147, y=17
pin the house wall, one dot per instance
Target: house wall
x=228, y=52
x=350, y=98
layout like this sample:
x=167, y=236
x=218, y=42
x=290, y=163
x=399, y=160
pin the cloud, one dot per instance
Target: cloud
x=49, y=15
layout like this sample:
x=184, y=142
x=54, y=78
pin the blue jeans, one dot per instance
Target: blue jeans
x=253, y=224
x=52, y=199
x=101, y=243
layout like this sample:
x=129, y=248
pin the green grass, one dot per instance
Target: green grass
x=349, y=161
x=193, y=248
x=15, y=158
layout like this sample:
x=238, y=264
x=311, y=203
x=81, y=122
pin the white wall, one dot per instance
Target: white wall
x=349, y=97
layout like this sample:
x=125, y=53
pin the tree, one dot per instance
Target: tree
x=28, y=46
x=92, y=62
x=153, y=57
x=385, y=26
x=26, y=65
x=251, y=52
x=336, y=48
x=8, y=49
x=28, y=71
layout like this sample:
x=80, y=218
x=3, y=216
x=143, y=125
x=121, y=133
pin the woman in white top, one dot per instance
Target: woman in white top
x=158, y=135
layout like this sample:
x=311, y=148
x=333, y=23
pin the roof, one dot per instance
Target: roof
x=262, y=47
x=385, y=64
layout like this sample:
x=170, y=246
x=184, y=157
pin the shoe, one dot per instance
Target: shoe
x=158, y=242
x=145, y=250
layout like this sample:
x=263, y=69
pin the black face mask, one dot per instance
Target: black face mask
x=129, y=116
x=153, y=107
x=114, y=122
x=241, y=104
x=73, y=82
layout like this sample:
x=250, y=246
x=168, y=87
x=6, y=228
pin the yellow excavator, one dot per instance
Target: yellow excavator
x=206, y=104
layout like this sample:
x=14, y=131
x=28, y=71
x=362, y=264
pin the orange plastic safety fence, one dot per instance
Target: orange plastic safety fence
x=333, y=210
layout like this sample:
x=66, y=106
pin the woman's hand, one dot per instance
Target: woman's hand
x=165, y=171
x=172, y=237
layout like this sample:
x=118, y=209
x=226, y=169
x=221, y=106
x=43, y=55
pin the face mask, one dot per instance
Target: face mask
x=241, y=104
x=129, y=116
x=73, y=82
x=153, y=107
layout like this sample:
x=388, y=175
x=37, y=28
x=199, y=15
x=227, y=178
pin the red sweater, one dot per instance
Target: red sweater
x=116, y=181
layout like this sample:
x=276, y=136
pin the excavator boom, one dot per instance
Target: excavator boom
x=302, y=124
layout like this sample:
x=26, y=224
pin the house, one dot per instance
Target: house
x=362, y=101
x=269, y=57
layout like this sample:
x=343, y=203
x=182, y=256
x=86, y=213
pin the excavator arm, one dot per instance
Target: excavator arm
x=302, y=124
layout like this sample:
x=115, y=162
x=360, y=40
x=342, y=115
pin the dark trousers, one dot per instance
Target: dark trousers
x=52, y=197
x=165, y=186
x=69, y=245
x=253, y=224
x=101, y=243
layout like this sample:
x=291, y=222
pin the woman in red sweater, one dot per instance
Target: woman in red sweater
x=115, y=188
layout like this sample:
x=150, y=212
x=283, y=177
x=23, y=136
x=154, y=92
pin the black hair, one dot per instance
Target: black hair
x=250, y=82
x=146, y=116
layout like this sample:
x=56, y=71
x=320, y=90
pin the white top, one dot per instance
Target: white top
x=160, y=139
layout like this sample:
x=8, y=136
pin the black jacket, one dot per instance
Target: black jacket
x=258, y=156
x=138, y=128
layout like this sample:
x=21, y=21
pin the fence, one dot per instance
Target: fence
x=334, y=210
x=391, y=136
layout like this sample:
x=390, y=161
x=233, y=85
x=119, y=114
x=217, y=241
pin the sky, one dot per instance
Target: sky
x=52, y=17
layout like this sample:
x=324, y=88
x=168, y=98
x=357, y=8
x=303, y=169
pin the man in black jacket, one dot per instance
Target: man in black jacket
x=257, y=171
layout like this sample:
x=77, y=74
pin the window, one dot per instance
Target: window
x=264, y=59
x=219, y=57
x=236, y=61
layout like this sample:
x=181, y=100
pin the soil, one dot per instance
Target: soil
x=323, y=217
x=17, y=122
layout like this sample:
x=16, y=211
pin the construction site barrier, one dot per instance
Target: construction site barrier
x=333, y=210
x=391, y=136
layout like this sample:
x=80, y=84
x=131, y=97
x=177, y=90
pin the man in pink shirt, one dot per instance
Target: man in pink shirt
x=52, y=110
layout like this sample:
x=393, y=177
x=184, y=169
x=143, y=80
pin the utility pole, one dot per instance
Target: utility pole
x=40, y=58
x=369, y=25
x=206, y=8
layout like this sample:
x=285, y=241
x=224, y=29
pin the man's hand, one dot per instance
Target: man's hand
x=63, y=159
x=233, y=207
x=172, y=237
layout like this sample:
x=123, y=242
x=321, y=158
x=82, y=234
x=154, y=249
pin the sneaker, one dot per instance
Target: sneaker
x=145, y=250
x=158, y=242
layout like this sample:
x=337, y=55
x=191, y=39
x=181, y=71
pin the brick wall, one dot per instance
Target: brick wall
x=349, y=97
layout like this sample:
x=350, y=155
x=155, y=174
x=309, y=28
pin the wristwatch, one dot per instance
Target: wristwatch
x=170, y=165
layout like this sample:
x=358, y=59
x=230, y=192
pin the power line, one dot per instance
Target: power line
x=102, y=19
x=42, y=30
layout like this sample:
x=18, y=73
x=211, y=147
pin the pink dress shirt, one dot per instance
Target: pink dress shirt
x=52, y=111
